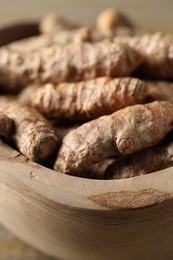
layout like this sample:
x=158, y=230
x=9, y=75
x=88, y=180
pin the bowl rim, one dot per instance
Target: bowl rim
x=87, y=194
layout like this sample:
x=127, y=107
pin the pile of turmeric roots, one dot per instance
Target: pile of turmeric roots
x=94, y=102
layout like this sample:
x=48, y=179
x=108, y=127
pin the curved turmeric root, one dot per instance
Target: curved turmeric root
x=34, y=136
x=123, y=132
x=72, y=62
x=86, y=99
x=149, y=160
x=6, y=126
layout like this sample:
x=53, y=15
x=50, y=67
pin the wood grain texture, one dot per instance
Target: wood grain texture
x=75, y=218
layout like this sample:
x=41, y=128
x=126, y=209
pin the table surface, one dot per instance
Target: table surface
x=13, y=249
x=159, y=17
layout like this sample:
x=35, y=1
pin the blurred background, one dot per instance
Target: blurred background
x=153, y=14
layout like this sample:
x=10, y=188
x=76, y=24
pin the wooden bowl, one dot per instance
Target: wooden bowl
x=75, y=218
x=17, y=31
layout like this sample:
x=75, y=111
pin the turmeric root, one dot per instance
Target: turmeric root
x=123, y=132
x=52, y=23
x=34, y=136
x=156, y=50
x=25, y=96
x=63, y=130
x=6, y=126
x=82, y=34
x=37, y=42
x=72, y=62
x=111, y=18
x=97, y=170
x=160, y=90
x=87, y=99
x=146, y=161
x=156, y=53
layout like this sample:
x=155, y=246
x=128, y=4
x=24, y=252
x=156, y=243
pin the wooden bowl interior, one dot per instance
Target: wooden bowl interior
x=18, y=31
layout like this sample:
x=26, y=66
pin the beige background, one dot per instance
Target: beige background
x=154, y=14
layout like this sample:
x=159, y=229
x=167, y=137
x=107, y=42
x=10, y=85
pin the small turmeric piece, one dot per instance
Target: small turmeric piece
x=52, y=23
x=34, y=136
x=111, y=18
x=87, y=99
x=143, y=162
x=126, y=131
x=72, y=62
x=6, y=126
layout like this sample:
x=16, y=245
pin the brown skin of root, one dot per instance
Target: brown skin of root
x=149, y=160
x=126, y=131
x=86, y=99
x=71, y=62
x=6, y=126
x=34, y=136
x=111, y=18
